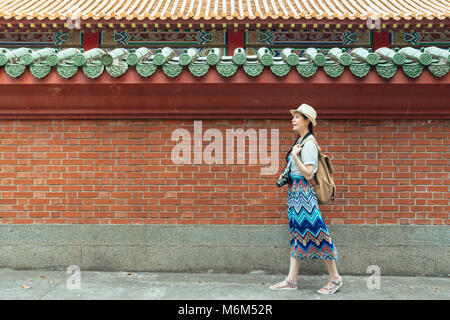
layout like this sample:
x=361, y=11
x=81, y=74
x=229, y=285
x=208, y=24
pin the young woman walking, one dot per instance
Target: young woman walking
x=309, y=237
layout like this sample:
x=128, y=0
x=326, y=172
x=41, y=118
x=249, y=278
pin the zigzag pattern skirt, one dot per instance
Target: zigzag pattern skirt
x=309, y=237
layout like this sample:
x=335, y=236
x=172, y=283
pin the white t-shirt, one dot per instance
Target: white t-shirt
x=309, y=155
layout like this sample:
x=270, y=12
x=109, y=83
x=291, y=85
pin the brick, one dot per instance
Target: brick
x=386, y=172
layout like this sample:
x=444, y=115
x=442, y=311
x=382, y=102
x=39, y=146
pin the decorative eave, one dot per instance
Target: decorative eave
x=90, y=25
x=265, y=89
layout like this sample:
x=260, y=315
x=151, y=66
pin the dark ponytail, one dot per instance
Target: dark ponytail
x=310, y=125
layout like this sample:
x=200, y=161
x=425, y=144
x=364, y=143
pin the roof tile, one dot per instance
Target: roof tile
x=229, y=9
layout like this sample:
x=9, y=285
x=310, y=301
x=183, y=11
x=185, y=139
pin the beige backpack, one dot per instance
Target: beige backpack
x=323, y=182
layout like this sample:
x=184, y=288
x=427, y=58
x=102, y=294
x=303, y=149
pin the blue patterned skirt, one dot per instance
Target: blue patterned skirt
x=309, y=237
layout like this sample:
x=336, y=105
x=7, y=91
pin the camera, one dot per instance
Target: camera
x=285, y=179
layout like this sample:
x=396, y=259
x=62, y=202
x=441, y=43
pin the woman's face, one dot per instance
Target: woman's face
x=299, y=123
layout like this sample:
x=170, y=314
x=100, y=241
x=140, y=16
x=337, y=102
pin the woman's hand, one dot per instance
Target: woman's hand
x=296, y=149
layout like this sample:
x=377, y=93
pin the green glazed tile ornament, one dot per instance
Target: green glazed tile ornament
x=264, y=56
x=213, y=56
x=184, y=60
x=315, y=56
x=67, y=69
x=439, y=53
x=439, y=68
x=253, y=68
x=36, y=55
x=239, y=56
x=199, y=69
x=365, y=56
x=117, y=69
x=11, y=55
x=187, y=57
x=391, y=55
x=27, y=59
x=226, y=69
x=398, y=59
x=416, y=55
x=163, y=55
x=412, y=70
x=82, y=58
x=306, y=69
x=338, y=56
x=107, y=59
x=66, y=54
x=333, y=70
x=52, y=60
x=135, y=57
x=386, y=70
x=132, y=59
x=360, y=69
x=93, y=69
x=146, y=68
x=172, y=68
x=79, y=60
x=4, y=59
x=40, y=70
x=15, y=70
x=289, y=57
x=280, y=68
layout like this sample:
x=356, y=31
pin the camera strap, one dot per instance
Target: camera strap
x=303, y=139
x=296, y=142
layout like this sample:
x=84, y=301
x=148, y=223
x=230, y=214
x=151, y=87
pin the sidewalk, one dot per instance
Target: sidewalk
x=52, y=285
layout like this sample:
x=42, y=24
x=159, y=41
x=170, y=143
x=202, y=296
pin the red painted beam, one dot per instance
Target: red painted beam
x=91, y=40
x=235, y=40
x=380, y=39
x=211, y=97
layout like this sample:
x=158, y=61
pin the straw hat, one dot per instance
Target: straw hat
x=308, y=111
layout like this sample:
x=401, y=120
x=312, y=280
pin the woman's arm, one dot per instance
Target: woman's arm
x=306, y=170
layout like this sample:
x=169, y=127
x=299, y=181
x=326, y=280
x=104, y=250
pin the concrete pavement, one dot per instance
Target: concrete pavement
x=60, y=285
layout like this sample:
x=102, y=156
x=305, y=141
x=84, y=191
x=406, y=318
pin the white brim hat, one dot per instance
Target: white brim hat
x=308, y=111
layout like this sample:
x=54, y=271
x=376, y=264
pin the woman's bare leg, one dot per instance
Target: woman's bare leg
x=293, y=269
x=293, y=273
x=332, y=272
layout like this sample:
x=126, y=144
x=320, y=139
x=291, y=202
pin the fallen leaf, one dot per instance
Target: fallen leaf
x=263, y=283
x=128, y=273
x=26, y=287
x=43, y=277
x=201, y=281
x=252, y=278
x=434, y=288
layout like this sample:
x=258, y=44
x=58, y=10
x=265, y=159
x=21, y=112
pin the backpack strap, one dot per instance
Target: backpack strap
x=319, y=155
x=315, y=142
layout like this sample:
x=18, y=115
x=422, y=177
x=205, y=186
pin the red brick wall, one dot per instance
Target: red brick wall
x=105, y=172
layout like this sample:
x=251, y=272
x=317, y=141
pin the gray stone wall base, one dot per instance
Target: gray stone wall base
x=396, y=250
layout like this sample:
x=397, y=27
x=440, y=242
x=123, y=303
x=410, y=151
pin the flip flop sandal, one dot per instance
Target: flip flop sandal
x=291, y=285
x=336, y=284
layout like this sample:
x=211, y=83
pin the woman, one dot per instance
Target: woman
x=309, y=237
